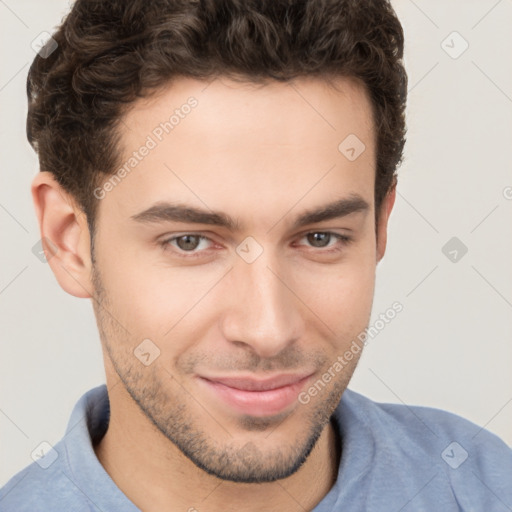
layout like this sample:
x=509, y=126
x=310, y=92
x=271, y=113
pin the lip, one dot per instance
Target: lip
x=256, y=397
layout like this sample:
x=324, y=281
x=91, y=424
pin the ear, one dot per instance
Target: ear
x=64, y=235
x=382, y=226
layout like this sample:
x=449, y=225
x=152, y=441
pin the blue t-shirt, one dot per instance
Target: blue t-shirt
x=394, y=458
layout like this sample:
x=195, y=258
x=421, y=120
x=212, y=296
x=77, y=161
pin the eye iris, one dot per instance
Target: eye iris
x=188, y=245
x=313, y=238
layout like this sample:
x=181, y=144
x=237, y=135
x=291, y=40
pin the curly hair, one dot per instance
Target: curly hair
x=110, y=53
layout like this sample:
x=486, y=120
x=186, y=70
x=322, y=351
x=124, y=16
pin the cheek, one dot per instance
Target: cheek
x=341, y=293
x=342, y=300
x=150, y=297
x=355, y=304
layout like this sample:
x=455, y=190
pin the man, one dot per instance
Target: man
x=218, y=177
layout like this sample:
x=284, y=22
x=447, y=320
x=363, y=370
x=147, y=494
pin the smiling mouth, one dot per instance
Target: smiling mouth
x=256, y=397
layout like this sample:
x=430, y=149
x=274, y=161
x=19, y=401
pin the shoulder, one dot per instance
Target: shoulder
x=471, y=462
x=43, y=486
x=55, y=480
x=425, y=426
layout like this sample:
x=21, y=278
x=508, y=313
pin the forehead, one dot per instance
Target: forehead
x=224, y=142
x=227, y=109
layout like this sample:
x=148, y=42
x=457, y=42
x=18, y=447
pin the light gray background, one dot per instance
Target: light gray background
x=449, y=348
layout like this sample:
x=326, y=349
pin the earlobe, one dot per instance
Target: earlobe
x=382, y=228
x=64, y=234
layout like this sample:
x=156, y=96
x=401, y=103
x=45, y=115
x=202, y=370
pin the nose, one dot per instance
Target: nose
x=263, y=312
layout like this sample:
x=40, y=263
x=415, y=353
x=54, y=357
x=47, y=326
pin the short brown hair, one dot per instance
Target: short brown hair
x=112, y=52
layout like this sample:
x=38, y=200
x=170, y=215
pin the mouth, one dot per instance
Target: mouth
x=256, y=397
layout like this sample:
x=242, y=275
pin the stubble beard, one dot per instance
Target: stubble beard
x=170, y=412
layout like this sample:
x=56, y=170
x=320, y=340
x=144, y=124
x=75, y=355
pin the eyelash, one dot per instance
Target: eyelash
x=343, y=239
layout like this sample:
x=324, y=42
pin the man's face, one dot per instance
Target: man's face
x=238, y=312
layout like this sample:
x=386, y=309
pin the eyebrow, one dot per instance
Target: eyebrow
x=172, y=212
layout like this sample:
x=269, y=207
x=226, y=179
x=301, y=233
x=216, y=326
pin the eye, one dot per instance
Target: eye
x=187, y=243
x=322, y=239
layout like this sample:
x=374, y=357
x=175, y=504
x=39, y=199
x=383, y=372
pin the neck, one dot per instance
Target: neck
x=153, y=473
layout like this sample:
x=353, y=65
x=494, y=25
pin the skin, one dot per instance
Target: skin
x=263, y=156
